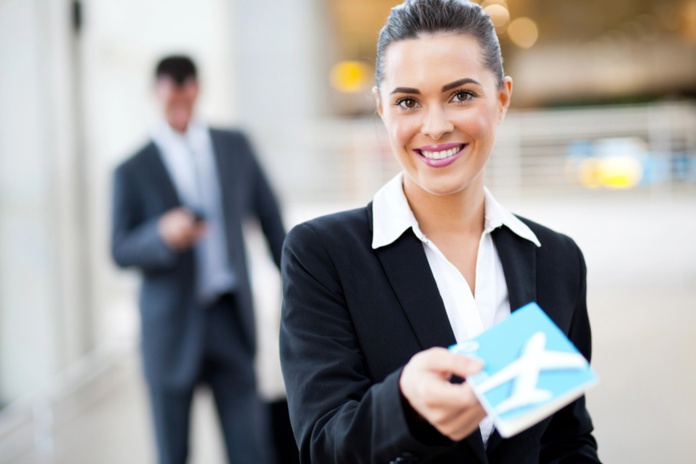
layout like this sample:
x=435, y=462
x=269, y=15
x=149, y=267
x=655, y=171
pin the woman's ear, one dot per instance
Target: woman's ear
x=378, y=100
x=504, y=97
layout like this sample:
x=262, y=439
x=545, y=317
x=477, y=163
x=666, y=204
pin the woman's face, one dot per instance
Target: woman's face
x=441, y=107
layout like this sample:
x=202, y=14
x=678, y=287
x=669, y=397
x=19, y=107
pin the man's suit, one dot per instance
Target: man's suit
x=354, y=316
x=182, y=341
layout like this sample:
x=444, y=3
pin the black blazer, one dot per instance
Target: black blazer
x=172, y=323
x=353, y=317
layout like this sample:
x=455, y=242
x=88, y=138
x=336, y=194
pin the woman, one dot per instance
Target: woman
x=371, y=296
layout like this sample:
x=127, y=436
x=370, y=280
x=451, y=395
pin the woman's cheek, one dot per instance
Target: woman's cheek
x=403, y=131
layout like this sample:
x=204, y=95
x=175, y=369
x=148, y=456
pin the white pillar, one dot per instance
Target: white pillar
x=281, y=60
x=43, y=309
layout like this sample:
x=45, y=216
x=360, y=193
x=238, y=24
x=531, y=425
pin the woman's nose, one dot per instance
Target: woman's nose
x=436, y=123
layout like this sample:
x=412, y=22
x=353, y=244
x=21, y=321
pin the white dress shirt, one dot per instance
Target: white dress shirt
x=469, y=314
x=190, y=161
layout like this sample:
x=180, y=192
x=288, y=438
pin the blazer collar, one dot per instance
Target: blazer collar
x=407, y=268
x=225, y=165
x=159, y=176
x=518, y=257
x=408, y=271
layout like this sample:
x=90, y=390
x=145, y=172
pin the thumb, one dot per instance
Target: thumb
x=447, y=363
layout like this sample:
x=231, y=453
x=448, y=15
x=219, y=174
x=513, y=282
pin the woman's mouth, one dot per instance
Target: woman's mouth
x=440, y=155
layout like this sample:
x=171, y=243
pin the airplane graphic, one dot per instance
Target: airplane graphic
x=525, y=372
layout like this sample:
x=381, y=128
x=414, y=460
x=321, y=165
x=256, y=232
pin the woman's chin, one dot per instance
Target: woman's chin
x=445, y=187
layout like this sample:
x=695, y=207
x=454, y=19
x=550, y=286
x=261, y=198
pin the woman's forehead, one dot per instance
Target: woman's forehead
x=434, y=57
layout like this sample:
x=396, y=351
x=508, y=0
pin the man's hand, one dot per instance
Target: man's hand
x=179, y=229
x=451, y=408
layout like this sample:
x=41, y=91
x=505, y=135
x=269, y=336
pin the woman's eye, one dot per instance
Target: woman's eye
x=407, y=103
x=462, y=96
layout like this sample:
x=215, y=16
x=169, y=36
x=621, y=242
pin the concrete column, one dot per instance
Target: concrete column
x=281, y=61
x=42, y=304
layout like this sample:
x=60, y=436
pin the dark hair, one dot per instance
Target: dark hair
x=177, y=67
x=414, y=18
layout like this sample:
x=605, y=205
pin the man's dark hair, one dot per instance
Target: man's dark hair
x=177, y=67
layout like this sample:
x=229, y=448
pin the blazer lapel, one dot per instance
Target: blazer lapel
x=224, y=165
x=518, y=257
x=408, y=271
x=409, y=274
x=160, y=178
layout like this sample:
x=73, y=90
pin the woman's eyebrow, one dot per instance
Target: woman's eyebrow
x=445, y=88
x=405, y=90
x=455, y=84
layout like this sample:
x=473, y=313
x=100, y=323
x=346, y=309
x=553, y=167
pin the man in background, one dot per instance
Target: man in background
x=179, y=205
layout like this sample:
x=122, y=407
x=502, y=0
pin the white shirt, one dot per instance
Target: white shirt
x=468, y=315
x=190, y=161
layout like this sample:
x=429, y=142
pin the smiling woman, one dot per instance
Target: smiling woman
x=441, y=116
x=372, y=296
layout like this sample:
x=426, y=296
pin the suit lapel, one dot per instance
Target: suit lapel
x=224, y=165
x=409, y=274
x=408, y=271
x=518, y=257
x=160, y=178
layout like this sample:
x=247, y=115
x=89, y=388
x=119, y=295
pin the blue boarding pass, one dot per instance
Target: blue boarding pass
x=531, y=370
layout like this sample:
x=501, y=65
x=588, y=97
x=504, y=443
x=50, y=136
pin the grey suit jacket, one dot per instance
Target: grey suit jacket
x=171, y=320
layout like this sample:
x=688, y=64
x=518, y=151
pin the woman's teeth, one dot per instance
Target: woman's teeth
x=440, y=154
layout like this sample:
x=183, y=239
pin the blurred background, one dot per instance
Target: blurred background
x=600, y=144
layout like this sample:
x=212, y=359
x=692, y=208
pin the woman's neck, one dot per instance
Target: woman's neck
x=459, y=213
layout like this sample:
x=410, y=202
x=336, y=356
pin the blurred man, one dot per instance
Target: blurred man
x=179, y=204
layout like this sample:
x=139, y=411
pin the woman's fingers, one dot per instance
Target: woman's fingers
x=451, y=408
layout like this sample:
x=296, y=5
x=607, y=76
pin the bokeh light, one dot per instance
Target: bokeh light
x=500, y=16
x=523, y=32
x=620, y=172
x=350, y=76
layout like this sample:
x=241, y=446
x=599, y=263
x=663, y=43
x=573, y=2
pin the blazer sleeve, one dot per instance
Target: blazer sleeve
x=568, y=438
x=266, y=209
x=338, y=413
x=135, y=240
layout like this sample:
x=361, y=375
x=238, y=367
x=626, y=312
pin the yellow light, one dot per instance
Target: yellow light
x=500, y=16
x=613, y=172
x=350, y=76
x=620, y=172
x=523, y=32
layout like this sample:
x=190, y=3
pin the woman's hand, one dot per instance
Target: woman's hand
x=451, y=408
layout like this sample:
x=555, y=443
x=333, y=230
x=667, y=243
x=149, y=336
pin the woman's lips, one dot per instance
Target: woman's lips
x=439, y=156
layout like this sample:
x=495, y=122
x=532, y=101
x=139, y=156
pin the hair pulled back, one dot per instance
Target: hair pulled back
x=415, y=18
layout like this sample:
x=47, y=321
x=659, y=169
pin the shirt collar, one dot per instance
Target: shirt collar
x=163, y=134
x=392, y=216
x=497, y=216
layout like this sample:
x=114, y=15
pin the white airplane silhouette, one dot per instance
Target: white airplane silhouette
x=525, y=372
